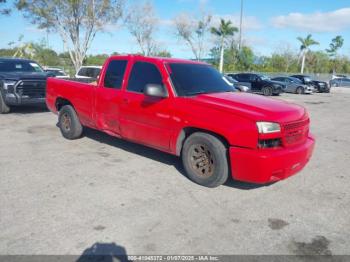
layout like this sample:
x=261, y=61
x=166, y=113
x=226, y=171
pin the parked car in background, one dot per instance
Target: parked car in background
x=22, y=82
x=56, y=72
x=89, y=72
x=294, y=85
x=339, y=76
x=187, y=109
x=259, y=83
x=340, y=82
x=319, y=86
x=240, y=87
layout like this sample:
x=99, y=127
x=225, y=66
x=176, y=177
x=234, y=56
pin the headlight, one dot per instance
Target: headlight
x=268, y=127
x=9, y=85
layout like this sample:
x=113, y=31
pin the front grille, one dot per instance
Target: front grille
x=31, y=88
x=295, y=132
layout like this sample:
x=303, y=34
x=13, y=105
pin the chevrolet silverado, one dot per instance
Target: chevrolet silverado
x=187, y=109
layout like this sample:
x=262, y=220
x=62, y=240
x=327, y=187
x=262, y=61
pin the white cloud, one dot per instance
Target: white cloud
x=334, y=21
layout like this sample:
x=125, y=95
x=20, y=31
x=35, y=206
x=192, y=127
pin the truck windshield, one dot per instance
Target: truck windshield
x=195, y=79
x=19, y=66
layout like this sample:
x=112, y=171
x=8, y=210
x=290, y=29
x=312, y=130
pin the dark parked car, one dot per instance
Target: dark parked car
x=22, y=82
x=294, y=85
x=319, y=86
x=337, y=82
x=259, y=83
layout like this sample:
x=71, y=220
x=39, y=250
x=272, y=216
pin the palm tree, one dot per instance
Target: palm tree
x=305, y=48
x=224, y=30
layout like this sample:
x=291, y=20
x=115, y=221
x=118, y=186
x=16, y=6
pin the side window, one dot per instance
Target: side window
x=115, y=74
x=242, y=78
x=142, y=74
x=253, y=78
x=82, y=71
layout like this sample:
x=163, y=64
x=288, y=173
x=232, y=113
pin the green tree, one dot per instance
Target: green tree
x=95, y=59
x=163, y=53
x=305, y=48
x=246, y=58
x=334, y=46
x=76, y=21
x=224, y=30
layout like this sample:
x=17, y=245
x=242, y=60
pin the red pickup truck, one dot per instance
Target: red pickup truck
x=186, y=108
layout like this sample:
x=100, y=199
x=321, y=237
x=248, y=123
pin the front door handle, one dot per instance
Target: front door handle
x=126, y=100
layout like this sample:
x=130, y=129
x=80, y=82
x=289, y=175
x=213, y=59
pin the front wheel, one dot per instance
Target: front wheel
x=267, y=91
x=4, y=109
x=205, y=161
x=69, y=123
x=300, y=90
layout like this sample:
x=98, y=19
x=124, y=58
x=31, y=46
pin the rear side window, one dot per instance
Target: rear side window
x=142, y=74
x=115, y=74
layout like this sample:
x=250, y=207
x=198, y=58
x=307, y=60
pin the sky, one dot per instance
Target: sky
x=268, y=25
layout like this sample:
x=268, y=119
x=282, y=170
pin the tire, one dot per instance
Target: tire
x=69, y=123
x=299, y=90
x=204, y=158
x=267, y=91
x=4, y=109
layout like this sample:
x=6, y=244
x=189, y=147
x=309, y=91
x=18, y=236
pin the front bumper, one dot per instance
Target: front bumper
x=266, y=166
x=12, y=99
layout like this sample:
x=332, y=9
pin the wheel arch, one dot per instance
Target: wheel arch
x=187, y=131
x=60, y=102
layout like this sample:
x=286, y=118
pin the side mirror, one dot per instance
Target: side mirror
x=155, y=91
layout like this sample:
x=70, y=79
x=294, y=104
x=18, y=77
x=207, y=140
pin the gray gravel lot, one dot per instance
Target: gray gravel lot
x=62, y=197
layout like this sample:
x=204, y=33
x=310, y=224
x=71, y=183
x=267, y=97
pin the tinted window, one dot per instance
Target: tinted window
x=55, y=72
x=19, y=66
x=89, y=72
x=115, y=74
x=143, y=74
x=82, y=71
x=192, y=79
x=95, y=72
x=243, y=78
x=295, y=80
x=279, y=79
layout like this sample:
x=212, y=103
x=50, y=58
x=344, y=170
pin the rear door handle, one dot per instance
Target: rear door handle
x=126, y=100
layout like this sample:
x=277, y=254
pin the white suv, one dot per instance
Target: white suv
x=88, y=72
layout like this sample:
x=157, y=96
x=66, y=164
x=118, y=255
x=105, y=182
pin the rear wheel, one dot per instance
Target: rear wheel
x=4, y=109
x=267, y=91
x=204, y=158
x=300, y=90
x=69, y=123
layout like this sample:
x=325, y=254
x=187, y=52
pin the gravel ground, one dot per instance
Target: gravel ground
x=63, y=197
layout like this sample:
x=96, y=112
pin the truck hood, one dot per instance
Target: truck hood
x=16, y=76
x=255, y=107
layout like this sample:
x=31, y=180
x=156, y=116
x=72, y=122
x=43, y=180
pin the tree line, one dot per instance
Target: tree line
x=214, y=40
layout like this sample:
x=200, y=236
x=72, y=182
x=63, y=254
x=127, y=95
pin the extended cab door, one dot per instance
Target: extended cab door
x=109, y=96
x=145, y=119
